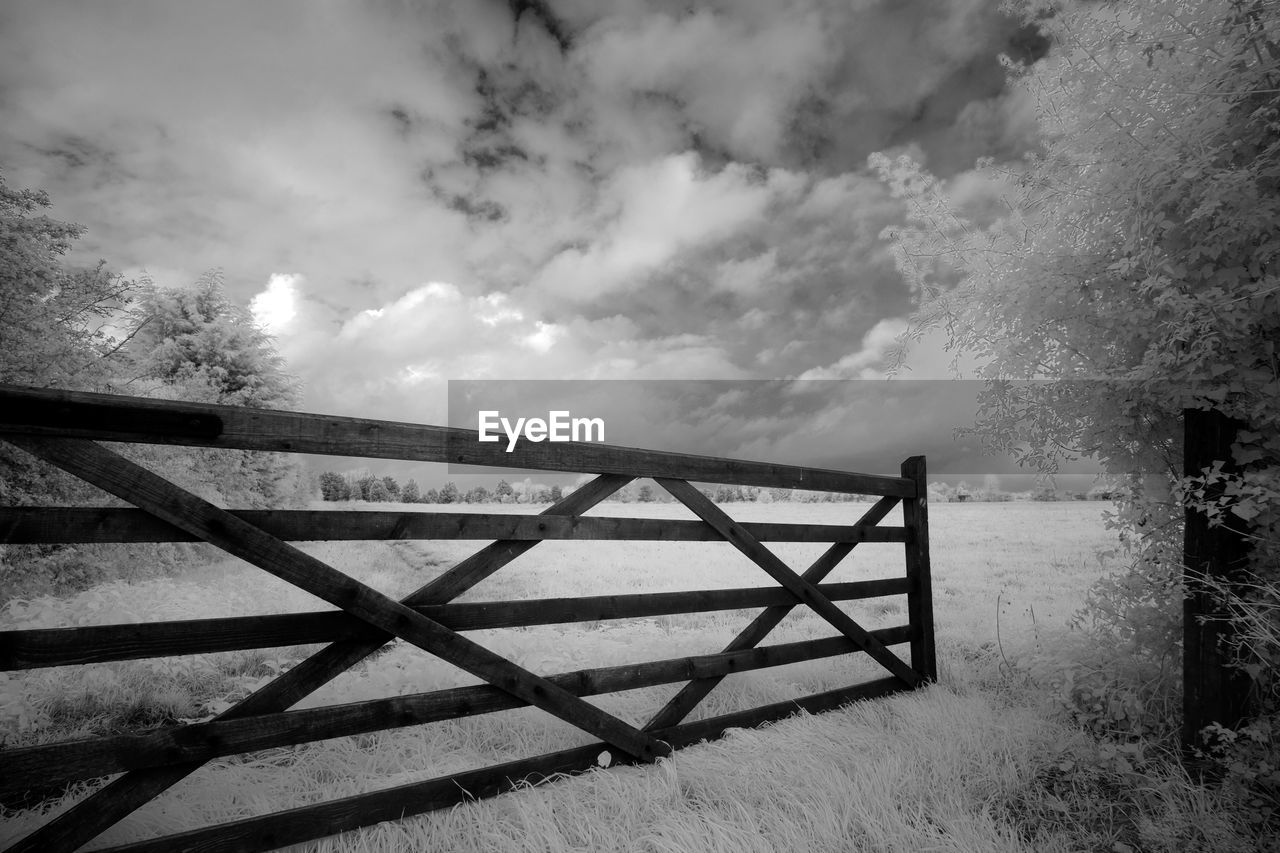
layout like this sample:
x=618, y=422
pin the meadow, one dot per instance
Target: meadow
x=987, y=759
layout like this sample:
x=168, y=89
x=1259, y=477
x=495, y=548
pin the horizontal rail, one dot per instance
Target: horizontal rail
x=58, y=763
x=47, y=647
x=81, y=525
x=106, y=417
x=341, y=815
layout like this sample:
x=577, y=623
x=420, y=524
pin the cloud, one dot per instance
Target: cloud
x=710, y=63
x=868, y=361
x=603, y=189
x=276, y=306
x=655, y=210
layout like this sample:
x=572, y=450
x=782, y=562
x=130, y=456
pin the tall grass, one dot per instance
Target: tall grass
x=988, y=759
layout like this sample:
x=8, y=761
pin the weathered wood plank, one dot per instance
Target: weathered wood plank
x=119, y=476
x=806, y=592
x=58, y=763
x=32, y=411
x=85, y=820
x=915, y=512
x=47, y=647
x=76, y=525
x=695, y=691
x=330, y=818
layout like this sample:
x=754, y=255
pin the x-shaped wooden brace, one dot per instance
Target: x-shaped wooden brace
x=386, y=617
x=802, y=586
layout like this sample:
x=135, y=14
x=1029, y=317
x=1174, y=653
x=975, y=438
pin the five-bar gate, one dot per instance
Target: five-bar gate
x=64, y=428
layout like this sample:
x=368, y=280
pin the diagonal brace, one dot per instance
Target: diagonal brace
x=766, y=620
x=93, y=815
x=108, y=805
x=146, y=490
x=803, y=590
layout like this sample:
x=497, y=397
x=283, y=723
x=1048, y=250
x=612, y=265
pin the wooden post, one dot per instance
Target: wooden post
x=1213, y=692
x=915, y=516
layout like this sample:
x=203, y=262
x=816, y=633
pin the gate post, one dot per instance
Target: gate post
x=1212, y=690
x=915, y=516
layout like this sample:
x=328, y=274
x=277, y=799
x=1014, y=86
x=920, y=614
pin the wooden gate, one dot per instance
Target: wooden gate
x=64, y=428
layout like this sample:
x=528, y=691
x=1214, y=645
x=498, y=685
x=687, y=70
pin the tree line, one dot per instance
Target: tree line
x=363, y=486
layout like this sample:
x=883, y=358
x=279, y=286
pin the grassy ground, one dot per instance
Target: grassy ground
x=984, y=760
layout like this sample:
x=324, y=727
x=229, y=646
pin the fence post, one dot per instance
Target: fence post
x=915, y=516
x=1212, y=691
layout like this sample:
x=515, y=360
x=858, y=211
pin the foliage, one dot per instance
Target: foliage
x=392, y=487
x=197, y=339
x=55, y=327
x=1135, y=260
x=196, y=344
x=503, y=493
x=378, y=491
x=55, y=321
x=411, y=495
x=89, y=329
x=334, y=487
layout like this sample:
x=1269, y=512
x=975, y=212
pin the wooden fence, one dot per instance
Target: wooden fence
x=64, y=428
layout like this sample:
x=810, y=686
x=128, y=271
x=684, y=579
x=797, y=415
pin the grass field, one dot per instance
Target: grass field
x=983, y=760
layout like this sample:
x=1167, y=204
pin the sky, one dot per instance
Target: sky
x=407, y=193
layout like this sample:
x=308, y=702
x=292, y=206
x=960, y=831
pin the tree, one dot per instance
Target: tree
x=1136, y=262
x=504, y=493
x=54, y=324
x=89, y=329
x=197, y=339
x=477, y=495
x=333, y=487
x=557, y=494
x=431, y=497
x=645, y=494
x=54, y=320
x=449, y=493
x=392, y=487
x=378, y=491
x=411, y=495
x=195, y=344
x=362, y=488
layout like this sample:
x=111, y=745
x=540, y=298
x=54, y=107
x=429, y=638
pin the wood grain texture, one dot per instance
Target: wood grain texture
x=125, y=479
x=46, y=647
x=31, y=411
x=695, y=691
x=803, y=590
x=87, y=758
x=75, y=525
x=85, y=820
x=915, y=513
x=369, y=620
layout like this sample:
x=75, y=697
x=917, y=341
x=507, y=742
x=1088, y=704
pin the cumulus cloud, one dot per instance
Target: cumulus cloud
x=276, y=306
x=597, y=190
x=655, y=211
x=867, y=362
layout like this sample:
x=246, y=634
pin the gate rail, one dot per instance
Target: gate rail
x=64, y=428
